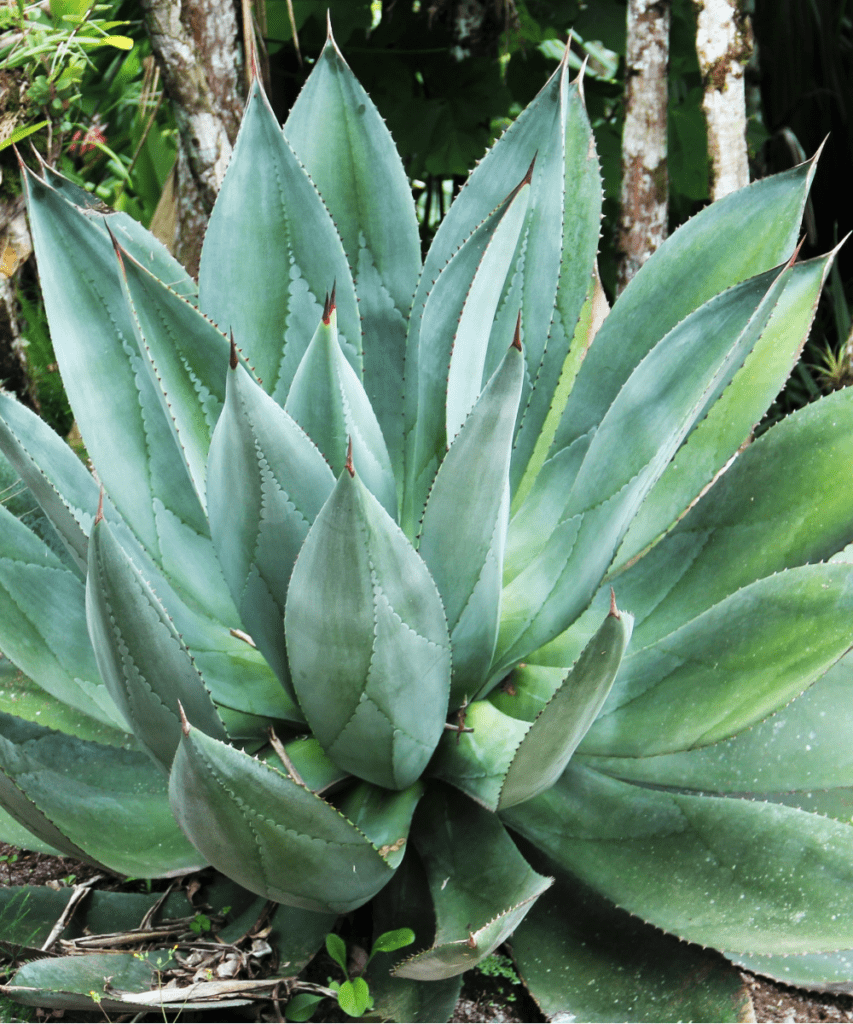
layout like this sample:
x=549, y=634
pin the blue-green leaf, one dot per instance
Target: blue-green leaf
x=270, y=834
x=271, y=252
x=145, y=664
x=355, y=165
x=328, y=401
x=260, y=453
x=367, y=640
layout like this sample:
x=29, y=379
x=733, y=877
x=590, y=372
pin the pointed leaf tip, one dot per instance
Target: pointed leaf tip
x=116, y=247
x=516, y=340
x=614, y=611
x=185, y=725
x=232, y=359
x=329, y=305
x=564, y=61
x=349, y=466
x=796, y=252
x=526, y=180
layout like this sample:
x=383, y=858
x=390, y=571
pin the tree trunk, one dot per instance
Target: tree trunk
x=724, y=46
x=645, y=182
x=15, y=248
x=197, y=46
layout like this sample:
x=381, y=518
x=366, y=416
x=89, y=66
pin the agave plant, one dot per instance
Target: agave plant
x=340, y=610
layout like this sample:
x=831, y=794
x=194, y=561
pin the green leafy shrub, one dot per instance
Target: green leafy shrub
x=337, y=615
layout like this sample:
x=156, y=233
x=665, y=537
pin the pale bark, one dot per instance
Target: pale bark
x=197, y=46
x=724, y=45
x=645, y=182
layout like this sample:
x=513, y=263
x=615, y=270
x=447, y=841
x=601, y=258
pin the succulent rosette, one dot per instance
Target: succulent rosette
x=439, y=584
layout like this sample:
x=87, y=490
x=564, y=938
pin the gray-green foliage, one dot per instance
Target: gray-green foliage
x=341, y=606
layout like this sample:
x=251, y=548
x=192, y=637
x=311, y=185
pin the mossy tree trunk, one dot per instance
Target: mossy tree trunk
x=724, y=45
x=198, y=45
x=645, y=181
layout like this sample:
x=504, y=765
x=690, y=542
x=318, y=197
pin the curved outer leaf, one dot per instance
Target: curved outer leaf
x=582, y=957
x=103, y=805
x=464, y=526
x=187, y=357
x=556, y=732
x=271, y=252
x=237, y=674
x=801, y=750
x=718, y=436
x=477, y=269
x=114, y=401
x=145, y=664
x=473, y=867
x=268, y=833
x=646, y=424
x=21, y=697
x=43, y=623
x=817, y=972
x=328, y=401
x=505, y=761
x=57, y=478
x=742, y=235
x=759, y=518
x=551, y=274
x=734, y=874
x=259, y=453
x=130, y=234
x=341, y=139
x=367, y=641
x=730, y=667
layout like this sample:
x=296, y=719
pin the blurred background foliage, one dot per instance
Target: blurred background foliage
x=448, y=76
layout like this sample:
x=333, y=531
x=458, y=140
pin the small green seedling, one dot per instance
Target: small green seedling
x=200, y=923
x=353, y=994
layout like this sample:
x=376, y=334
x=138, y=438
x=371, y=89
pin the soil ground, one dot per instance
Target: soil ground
x=483, y=999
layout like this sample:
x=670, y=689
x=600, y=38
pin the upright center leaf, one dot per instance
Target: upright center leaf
x=367, y=640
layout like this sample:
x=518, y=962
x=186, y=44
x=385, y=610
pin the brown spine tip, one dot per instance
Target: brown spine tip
x=329, y=306
x=349, y=466
x=471, y=942
x=529, y=176
x=116, y=247
x=796, y=253
x=516, y=338
x=99, y=515
x=232, y=359
x=614, y=611
x=185, y=725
